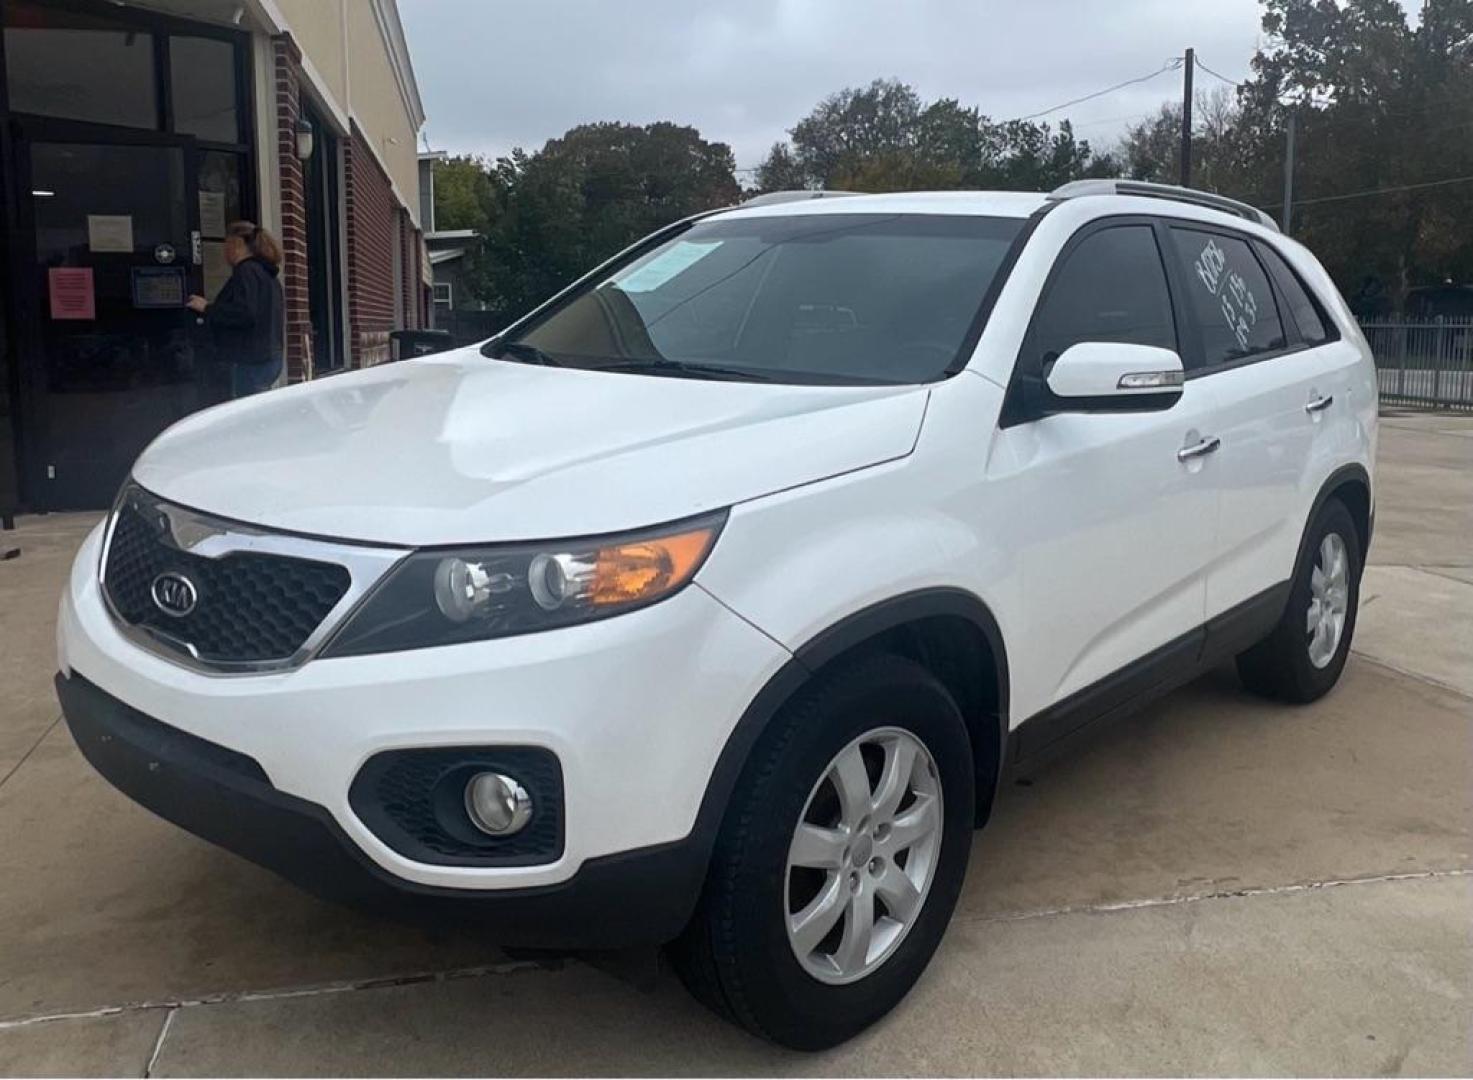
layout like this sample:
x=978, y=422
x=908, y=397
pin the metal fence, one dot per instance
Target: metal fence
x=1427, y=363
x=468, y=327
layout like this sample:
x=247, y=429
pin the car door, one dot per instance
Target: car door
x=1273, y=396
x=1113, y=526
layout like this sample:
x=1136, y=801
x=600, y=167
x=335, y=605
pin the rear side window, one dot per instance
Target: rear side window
x=1111, y=287
x=1230, y=296
x=1302, y=309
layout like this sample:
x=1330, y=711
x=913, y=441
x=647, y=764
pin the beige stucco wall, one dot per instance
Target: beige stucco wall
x=317, y=28
x=343, y=46
x=378, y=106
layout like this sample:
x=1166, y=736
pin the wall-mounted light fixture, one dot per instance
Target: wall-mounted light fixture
x=306, y=138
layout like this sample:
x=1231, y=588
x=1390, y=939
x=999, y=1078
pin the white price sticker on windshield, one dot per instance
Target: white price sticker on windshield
x=664, y=266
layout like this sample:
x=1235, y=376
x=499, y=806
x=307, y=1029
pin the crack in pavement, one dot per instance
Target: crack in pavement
x=284, y=993
x=1417, y=675
x=158, y=1044
x=1222, y=894
x=27, y=755
x=513, y=967
x=1440, y=570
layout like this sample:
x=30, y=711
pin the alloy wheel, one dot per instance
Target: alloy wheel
x=1329, y=600
x=863, y=855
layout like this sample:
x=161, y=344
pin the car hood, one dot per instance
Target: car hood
x=459, y=448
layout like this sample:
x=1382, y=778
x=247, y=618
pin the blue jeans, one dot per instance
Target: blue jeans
x=248, y=379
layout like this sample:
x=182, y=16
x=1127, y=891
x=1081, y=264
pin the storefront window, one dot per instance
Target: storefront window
x=202, y=77
x=79, y=67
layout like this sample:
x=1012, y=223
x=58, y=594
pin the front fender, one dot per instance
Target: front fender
x=798, y=563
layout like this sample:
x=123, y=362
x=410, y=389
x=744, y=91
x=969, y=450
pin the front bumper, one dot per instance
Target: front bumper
x=637, y=711
x=636, y=898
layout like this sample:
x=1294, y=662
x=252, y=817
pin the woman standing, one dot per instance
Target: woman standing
x=245, y=319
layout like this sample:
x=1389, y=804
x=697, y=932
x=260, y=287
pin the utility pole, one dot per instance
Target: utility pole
x=1186, y=117
x=1288, y=169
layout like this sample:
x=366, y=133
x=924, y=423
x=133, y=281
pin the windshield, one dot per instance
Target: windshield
x=831, y=298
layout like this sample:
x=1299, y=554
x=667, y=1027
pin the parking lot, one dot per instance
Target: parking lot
x=1217, y=885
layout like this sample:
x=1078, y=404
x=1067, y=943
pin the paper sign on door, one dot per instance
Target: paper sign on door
x=212, y=213
x=110, y=232
x=72, y=295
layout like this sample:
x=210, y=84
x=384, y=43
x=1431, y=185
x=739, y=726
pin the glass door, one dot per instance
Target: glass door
x=117, y=252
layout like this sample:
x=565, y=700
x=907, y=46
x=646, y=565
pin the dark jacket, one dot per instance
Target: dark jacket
x=246, y=318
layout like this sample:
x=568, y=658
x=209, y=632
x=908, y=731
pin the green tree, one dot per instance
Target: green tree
x=1379, y=104
x=586, y=195
x=463, y=192
x=1151, y=148
x=780, y=171
x=883, y=137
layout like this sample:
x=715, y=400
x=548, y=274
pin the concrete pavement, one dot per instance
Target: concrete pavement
x=1217, y=885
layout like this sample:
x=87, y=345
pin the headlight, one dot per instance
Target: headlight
x=470, y=594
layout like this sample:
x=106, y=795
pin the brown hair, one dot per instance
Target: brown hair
x=261, y=243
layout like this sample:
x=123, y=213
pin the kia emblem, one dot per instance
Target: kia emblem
x=174, y=594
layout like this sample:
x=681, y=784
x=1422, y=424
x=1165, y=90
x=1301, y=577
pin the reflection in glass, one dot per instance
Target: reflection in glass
x=78, y=67
x=202, y=73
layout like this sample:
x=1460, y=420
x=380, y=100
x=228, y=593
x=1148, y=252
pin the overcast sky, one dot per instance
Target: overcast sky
x=496, y=74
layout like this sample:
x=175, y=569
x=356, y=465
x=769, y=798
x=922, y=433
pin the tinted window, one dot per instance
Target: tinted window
x=78, y=66
x=816, y=297
x=202, y=71
x=1301, y=308
x=1112, y=287
x=1230, y=296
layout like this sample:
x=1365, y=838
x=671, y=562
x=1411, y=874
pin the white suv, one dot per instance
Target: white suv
x=708, y=604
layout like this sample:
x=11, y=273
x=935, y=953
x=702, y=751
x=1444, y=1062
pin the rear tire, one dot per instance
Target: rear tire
x=741, y=954
x=1303, y=657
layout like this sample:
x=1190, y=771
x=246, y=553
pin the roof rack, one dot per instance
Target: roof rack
x=772, y=198
x=1077, y=188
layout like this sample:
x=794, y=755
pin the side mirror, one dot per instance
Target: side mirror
x=1098, y=376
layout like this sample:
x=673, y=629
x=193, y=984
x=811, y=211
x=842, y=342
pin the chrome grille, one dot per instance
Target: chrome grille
x=256, y=600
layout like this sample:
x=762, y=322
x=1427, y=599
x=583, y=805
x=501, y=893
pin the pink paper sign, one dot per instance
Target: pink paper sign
x=72, y=295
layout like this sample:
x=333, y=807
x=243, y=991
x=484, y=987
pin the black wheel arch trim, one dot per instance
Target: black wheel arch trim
x=808, y=659
x=1353, y=473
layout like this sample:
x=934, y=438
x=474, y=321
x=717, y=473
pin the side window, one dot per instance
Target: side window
x=1112, y=287
x=1230, y=296
x=1303, y=310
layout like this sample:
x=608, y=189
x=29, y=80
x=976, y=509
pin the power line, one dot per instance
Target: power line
x=1170, y=65
x=1374, y=191
x=1209, y=71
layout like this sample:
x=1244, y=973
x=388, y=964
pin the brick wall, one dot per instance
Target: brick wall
x=409, y=269
x=293, y=211
x=372, y=219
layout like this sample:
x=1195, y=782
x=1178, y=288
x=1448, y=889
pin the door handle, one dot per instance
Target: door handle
x=1199, y=449
x=1320, y=404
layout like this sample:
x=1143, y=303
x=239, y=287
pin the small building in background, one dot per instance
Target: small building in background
x=447, y=249
x=131, y=133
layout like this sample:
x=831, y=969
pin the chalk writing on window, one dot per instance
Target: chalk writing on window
x=1239, y=305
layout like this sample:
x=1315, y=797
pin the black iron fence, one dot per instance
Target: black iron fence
x=1426, y=362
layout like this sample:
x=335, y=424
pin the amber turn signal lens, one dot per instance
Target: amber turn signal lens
x=645, y=569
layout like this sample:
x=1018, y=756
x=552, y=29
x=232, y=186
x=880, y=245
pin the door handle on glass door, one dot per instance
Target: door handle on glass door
x=1199, y=449
x=1320, y=404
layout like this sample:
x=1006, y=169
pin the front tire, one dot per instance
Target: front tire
x=1302, y=658
x=840, y=859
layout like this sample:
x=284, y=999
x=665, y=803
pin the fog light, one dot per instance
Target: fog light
x=497, y=804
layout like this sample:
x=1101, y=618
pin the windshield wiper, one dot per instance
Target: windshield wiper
x=680, y=368
x=524, y=353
